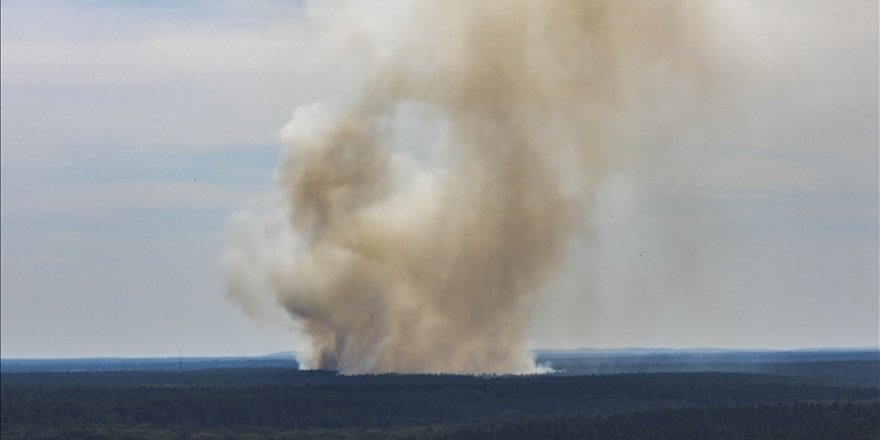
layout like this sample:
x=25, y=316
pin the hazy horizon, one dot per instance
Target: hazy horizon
x=609, y=350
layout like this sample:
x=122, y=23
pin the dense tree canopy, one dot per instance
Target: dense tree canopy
x=285, y=402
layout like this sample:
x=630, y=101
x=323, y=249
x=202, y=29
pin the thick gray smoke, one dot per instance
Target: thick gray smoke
x=392, y=264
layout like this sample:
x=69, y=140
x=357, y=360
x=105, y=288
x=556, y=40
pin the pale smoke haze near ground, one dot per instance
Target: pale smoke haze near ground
x=130, y=132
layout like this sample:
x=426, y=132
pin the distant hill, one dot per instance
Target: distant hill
x=281, y=355
x=845, y=367
x=276, y=360
x=574, y=361
x=703, y=355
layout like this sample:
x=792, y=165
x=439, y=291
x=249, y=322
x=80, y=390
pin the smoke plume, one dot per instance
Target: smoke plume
x=389, y=263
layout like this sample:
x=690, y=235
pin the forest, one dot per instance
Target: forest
x=290, y=403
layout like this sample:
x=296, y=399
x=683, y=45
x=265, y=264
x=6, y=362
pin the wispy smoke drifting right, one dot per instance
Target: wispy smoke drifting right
x=393, y=265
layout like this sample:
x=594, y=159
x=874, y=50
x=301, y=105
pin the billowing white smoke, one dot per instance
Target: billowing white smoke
x=393, y=265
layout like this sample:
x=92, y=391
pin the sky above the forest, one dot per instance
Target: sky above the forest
x=133, y=132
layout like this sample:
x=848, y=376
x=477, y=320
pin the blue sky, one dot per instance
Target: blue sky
x=131, y=134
